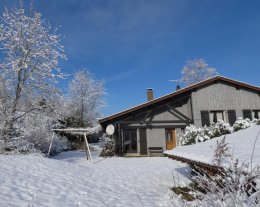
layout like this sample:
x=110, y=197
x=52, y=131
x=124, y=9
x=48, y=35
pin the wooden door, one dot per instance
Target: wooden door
x=170, y=137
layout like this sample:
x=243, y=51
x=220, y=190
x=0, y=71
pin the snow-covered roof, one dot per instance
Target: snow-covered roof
x=243, y=144
x=178, y=92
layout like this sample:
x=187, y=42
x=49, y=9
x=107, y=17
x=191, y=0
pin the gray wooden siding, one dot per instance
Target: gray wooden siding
x=166, y=114
x=221, y=96
x=163, y=113
x=156, y=137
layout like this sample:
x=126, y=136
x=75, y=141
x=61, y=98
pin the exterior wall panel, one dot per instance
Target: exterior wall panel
x=156, y=137
x=220, y=96
x=164, y=113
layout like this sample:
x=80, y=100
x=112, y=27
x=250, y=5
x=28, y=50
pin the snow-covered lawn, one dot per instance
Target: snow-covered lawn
x=70, y=180
x=242, y=144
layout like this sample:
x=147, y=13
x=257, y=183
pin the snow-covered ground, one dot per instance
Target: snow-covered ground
x=242, y=145
x=70, y=180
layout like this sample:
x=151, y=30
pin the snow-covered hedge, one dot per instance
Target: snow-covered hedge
x=194, y=135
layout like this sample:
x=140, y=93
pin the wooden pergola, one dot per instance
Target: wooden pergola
x=80, y=131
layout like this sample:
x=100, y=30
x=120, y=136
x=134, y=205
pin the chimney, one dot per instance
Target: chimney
x=149, y=94
x=178, y=87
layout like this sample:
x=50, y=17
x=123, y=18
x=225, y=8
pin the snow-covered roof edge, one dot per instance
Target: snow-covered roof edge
x=178, y=92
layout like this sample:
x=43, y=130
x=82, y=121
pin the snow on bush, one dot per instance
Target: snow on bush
x=33, y=135
x=241, y=124
x=194, y=135
x=109, y=148
x=219, y=128
x=237, y=185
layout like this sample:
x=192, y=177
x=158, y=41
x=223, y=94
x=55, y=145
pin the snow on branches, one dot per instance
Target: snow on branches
x=197, y=70
x=85, y=98
x=29, y=67
x=194, y=135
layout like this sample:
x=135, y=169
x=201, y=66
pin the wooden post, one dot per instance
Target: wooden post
x=50, y=144
x=87, y=147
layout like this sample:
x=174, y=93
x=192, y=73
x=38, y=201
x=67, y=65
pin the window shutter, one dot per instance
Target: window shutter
x=205, y=118
x=215, y=118
x=247, y=114
x=232, y=117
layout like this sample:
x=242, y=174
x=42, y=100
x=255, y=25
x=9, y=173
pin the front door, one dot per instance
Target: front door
x=170, y=136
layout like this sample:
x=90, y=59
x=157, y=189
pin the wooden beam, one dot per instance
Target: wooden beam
x=174, y=114
x=178, y=112
x=156, y=126
x=147, y=115
x=119, y=139
x=191, y=107
x=87, y=148
x=155, y=122
x=51, y=144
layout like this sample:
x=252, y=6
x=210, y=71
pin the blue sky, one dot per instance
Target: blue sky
x=139, y=44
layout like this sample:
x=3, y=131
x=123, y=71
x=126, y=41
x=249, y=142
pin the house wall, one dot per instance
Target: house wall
x=221, y=96
x=155, y=133
x=156, y=137
x=166, y=114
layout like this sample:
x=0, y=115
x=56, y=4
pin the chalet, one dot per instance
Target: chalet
x=152, y=127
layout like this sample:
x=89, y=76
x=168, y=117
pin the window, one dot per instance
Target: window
x=247, y=114
x=209, y=117
x=256, y=114
x=130, y=141
x=215, y=116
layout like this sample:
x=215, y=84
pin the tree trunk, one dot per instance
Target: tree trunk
x=8, y=126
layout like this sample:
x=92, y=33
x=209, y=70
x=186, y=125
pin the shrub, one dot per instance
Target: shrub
x=241, y=124
x=194, y=135
x=219, y=128
x=109, y=148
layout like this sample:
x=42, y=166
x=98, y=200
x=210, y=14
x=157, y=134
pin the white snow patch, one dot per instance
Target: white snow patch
x=70, y=180
x=241, y=144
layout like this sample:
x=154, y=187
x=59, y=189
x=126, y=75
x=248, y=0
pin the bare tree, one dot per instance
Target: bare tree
x=29, y=65
x=85, y=95
x=197, y=70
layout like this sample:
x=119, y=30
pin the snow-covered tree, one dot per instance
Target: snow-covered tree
x=197, y=70
x=85, y=93
x=30, y=52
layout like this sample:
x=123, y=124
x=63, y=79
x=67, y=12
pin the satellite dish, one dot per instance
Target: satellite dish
x=110, y=129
